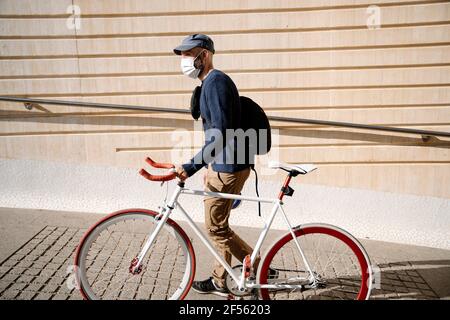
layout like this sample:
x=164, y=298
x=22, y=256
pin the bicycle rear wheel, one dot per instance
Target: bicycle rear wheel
x=106, y=252
x=337, y=260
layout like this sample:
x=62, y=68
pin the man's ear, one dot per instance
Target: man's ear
x=203, y=56
x=207, y=54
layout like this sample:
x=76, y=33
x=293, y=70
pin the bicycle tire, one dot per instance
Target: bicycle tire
x=179, y=260
x=343, y=286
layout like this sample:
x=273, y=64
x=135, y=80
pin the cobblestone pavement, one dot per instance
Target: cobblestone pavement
x=41, y=269
x=401, y=280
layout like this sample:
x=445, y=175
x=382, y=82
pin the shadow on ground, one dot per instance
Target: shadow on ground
x=41, y=269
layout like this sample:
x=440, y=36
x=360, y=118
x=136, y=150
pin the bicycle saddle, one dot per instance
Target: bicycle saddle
x=300, y=168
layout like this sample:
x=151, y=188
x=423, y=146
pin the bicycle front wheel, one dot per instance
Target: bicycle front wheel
x=107, y=250
x=340, y=266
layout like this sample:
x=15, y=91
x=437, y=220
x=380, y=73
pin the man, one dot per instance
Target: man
x=220, y=110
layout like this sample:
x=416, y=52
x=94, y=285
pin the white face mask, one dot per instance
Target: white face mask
x=188, y=67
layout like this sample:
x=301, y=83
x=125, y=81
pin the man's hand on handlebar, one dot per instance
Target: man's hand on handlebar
x=181, y=174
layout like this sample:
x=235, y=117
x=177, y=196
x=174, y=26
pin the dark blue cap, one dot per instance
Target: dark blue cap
x=195, y=40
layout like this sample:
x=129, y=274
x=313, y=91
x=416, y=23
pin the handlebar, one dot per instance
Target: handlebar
x=154, y=164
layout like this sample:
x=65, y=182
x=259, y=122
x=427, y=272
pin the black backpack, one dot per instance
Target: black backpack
x=254, y=117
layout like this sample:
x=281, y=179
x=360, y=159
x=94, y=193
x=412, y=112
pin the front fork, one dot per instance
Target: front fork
x=161, y=218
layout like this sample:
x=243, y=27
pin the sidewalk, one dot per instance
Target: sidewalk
x=37, y=246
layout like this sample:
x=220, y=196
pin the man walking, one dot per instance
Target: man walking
x=220, y=110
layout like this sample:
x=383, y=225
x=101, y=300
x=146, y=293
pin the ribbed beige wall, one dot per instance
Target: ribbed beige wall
x=311, y=59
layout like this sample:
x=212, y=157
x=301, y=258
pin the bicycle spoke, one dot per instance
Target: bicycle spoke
x=336, y=269
x=110, y=255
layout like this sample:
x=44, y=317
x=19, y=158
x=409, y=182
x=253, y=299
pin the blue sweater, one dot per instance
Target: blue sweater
x=220, y=110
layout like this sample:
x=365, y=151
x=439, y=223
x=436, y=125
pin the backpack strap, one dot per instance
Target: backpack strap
x=195, y=102
x=252, y=166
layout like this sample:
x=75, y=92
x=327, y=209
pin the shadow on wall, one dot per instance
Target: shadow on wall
x=119, y=120
x=371, y=137
x=187, y=124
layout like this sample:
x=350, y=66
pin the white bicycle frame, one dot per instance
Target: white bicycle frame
x=173, y=203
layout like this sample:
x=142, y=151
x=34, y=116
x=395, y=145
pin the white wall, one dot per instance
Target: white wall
x=314, y=59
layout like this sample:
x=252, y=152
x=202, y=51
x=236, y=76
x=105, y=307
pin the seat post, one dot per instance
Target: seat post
x=285, y=185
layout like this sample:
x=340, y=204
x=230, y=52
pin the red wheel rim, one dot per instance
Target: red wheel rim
x=362, y=294
x=144, y=211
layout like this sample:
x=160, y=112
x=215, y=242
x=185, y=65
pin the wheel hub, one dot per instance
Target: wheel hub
x=133, y=269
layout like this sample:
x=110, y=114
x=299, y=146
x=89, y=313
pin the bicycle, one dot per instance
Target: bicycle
x=143, y=254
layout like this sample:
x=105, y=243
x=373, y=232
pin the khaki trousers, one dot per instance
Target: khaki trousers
x=217, y=212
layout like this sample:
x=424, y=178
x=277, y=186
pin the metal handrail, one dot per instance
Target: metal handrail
x=426, y=134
